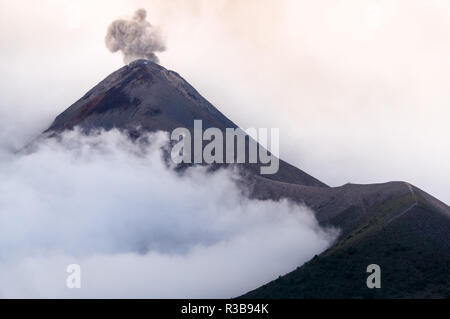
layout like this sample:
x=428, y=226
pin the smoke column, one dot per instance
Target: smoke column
x=135, y=38
x=142, y=231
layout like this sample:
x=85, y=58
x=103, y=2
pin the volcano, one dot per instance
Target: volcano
x=394, y=225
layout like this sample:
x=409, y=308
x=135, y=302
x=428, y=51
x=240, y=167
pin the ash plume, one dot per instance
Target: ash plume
x=135, y=38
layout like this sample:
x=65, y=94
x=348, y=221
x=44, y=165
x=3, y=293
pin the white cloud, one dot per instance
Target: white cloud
x=137, y=228
x=358, y=88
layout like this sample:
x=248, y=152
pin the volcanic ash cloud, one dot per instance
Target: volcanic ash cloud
x=135, y=38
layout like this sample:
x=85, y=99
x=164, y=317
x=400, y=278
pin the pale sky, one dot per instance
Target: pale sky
x=359, y=88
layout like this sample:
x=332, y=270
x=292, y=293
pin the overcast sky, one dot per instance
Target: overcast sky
x=359, y=88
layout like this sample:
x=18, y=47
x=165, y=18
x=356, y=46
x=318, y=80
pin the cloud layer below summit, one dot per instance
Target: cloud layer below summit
x=136, y=228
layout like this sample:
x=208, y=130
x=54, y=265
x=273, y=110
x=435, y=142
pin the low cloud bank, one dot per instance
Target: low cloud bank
x=136, y=228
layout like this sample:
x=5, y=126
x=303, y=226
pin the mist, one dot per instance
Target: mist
x=357, y=88
x=137, y=228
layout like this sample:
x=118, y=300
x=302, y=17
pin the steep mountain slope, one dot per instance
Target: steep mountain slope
x=144, y=96
x=395, y=225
